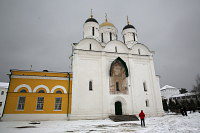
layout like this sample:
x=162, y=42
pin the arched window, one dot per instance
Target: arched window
x=144, y=86
x=59, y=92
x=90, y=47
x=23, y=91
x=101, y=37
x=124, y=39
x=93, y=31
x=133, y=37
x=41, y=91
x=110, y=36
x=90, y=85
x=147, y=103
x=117, y=86
x=139, y=51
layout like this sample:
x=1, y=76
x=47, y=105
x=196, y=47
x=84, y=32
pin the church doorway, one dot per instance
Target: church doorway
x=118, y=108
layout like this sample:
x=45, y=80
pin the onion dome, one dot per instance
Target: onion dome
x=106, y=23
x=91, y=20
x=128, y=26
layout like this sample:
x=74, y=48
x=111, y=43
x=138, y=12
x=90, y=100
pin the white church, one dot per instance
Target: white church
x=113, y=77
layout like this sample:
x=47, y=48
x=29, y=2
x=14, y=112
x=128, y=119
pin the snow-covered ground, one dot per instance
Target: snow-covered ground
x=166, y=124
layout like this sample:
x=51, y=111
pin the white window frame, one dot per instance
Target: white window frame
x=58, y=106
x=40, y=103
x=21, y=105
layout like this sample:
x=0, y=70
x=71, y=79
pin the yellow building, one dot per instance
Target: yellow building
x=34, y=95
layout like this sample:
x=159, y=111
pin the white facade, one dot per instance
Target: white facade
x=3, y=93
x=92, y=61
x=168, y=91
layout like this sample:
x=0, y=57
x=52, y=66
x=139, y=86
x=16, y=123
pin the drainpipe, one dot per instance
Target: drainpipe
x=68, y=93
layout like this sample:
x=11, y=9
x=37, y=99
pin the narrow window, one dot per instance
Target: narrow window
x=90, y=47
x=58, y=103
x=117, y=86
x=115, y=49
x=144, y=86
x=2, y=92
x=21, y=103
x=133, y=36
x=90, y=85
x=59, y=92
x=40, y=103
x=101, y=37
x=110, y=36
x=147, y=103
x=41, y=91
x=124, y=39
x=0, y=104
x=23, y=91
x=93, y=31
x=139, y=51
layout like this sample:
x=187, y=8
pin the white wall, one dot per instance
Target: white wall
x=2, y=99
x=95, y=66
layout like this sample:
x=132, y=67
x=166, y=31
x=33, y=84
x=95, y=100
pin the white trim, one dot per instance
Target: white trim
x=34, y=117
x=58, y=86
x=40, y=77
x=42, y=86
x=23, y=85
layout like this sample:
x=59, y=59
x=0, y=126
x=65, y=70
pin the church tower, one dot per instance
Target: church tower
x=107, y=31
x=112, y=77
x=129, y=34
x=91, y=28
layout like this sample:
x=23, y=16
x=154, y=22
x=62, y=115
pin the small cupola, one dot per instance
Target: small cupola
x=91, y=28
x=107, y=31
x=129, y=34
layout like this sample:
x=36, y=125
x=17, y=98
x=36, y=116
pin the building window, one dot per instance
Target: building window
x=2, y=92
x=133, y=37
x=90, y=85
x=21, y=103
x=117, y=86
x=0, y=104
x=23, y=91
x=147, y=103
x=115, y=49
x=59, y=92
x=101, y=37
x=144, y=86
x=93, y=31
x=58, y=103
x=41, y=91
x=90, y=47
x=139, y=51
x=110, y=36
x=40, y=103
x=124, y=39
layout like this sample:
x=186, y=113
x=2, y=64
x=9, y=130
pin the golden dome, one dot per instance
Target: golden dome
x=106, y=24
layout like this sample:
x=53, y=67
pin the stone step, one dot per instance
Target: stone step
x=117, y=118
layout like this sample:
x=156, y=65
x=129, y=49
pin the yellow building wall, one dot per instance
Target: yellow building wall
x=31, y=98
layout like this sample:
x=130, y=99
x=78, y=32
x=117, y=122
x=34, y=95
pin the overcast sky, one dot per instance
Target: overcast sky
x=40, y=33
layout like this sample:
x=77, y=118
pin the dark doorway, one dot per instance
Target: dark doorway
x=118, y=108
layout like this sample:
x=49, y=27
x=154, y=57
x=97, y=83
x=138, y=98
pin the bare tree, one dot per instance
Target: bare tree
x=196, y=87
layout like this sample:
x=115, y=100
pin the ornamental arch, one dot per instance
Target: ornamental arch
x=118, y=77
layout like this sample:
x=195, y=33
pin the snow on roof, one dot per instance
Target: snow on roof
x=185, y=94
x=167, y=87
x=4, y=85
